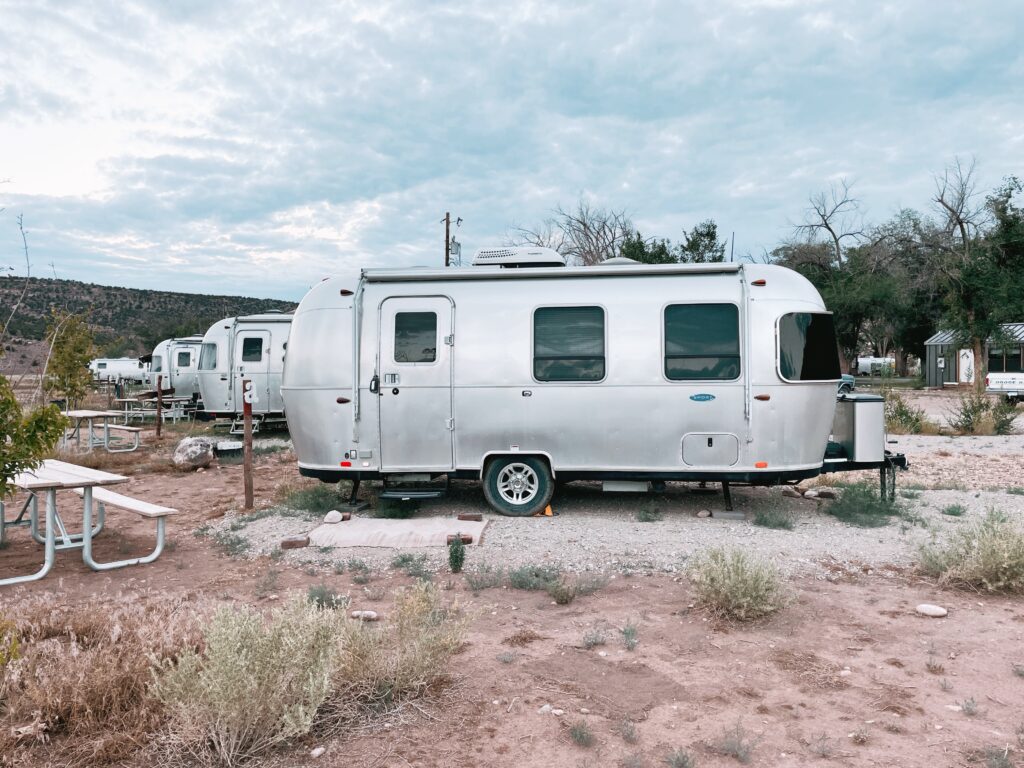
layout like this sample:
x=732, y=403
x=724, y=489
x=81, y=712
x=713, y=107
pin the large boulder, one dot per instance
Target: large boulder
x=193, y=453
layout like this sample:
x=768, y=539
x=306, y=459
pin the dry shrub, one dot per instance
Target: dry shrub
x=83, y=674
x=987, y=555
x=737, y=585
x=258, y=683
x=381, y=667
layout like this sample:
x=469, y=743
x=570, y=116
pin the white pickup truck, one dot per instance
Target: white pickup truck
x=1009, y=384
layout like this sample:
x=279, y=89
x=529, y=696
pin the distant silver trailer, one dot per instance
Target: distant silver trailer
x=247, y=347
x=118, y=369
x=623, y=373
x=177, y=361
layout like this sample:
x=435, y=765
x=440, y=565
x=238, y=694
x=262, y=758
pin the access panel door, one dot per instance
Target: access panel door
x=415, y=368
x=252, y=362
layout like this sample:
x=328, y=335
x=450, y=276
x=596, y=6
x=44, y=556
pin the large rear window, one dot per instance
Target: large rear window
x=208, y=357
x=807, y=347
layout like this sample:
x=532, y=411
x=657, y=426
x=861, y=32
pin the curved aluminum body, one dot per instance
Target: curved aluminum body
x=480, y=397
x=177, y=360
x=247, y=347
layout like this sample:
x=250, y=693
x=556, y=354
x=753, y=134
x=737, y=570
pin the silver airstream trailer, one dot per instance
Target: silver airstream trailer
x=246, y=347
x=118, y=369
x=177, y=361
x=519, y=371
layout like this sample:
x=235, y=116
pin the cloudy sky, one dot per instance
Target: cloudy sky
x=256, y=147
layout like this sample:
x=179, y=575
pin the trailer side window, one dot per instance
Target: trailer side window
x=184, y=359
x=702, y=341
x=415, y=337
x=156, y=364
x=208, y=357
x=568, y=344
x=101, y=365
x=807, y=347
x=252, y=349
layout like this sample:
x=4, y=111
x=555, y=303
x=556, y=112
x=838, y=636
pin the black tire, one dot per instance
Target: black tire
x=533, y=473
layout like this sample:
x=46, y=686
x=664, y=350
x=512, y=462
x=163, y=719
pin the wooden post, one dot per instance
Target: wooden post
x=247, y=441
x=159, y=403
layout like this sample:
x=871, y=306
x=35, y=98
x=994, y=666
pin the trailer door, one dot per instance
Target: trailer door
x=252, y=362
x=416, y=384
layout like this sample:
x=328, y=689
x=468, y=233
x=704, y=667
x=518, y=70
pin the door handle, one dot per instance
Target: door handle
x=375, y=385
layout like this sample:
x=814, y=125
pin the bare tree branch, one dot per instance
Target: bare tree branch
x=585, y=235
x=955, y=194
x=24, y=288
x=836, y=213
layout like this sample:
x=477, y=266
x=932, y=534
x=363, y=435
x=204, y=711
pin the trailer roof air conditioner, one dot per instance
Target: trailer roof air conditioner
x=518, y=257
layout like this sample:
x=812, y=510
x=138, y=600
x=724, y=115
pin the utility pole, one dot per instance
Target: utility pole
x=447, y=238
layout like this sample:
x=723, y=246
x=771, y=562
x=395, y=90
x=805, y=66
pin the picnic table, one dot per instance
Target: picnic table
x=173, y=408
x=83, y=420
x=53, y=476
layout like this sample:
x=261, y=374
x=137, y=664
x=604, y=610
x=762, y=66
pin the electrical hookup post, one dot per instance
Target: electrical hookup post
x=248, y=398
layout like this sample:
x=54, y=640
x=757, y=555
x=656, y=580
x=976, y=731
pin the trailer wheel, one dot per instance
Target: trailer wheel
x=519, y=486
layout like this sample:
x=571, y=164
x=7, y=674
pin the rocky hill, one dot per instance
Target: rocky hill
x=126, y=321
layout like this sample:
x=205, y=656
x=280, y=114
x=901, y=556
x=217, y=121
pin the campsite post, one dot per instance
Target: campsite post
x=159, y=402
x=247, y=395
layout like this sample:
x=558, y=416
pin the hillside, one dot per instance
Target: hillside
x=126, y=321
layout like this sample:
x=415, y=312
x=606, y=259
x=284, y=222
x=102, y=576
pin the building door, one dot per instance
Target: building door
x=416, y=343
x=252, y=362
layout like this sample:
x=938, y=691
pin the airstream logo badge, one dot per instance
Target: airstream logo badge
x=702, y=398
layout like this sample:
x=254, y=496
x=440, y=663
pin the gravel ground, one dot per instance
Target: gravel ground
x=595, y=531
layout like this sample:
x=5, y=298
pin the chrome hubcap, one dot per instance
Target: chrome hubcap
x=518, y=484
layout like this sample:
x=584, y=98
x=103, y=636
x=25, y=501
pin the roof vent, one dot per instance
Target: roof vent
x=532, y=256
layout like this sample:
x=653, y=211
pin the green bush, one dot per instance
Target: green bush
x=456, y=554
x=862, y=505
x=649, y=514
x=317, y=499
x=900, y=416
x=484, y=576
x=987, y=555
x=323, y=596
x=256, y=683
x=955, y=510
x=967, y=416
x=1003, y=415
x=737, y=585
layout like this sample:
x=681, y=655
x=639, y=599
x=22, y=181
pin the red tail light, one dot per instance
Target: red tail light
x=346, y=463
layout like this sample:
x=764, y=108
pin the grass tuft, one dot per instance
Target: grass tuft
x=737, y=585
x=861, y=505
x=630, y=636
x=533, y=577
x=648, y=514
x=736, y=743
x=955, y=510
x=774, y=518
x=483, y=576
x=581, y=734
x=680, y=758
x=593, y=638
x=324, y=597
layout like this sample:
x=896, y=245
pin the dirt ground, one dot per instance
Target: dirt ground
x=841, y=675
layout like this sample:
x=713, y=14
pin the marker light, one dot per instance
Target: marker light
x=763, y=398
x=761, y=464
x=346, y=463
x=759, y=283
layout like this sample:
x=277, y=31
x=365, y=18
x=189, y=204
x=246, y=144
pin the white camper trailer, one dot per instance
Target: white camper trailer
x=177, y=361
x=118, y=369
x=248, y=347
x=619, y=372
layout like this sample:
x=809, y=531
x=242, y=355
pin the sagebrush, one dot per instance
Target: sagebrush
x=986, y=555
x=737, y=585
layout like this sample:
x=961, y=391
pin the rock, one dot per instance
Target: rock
x=584, y=711
x=193, y=453
x=546, y=709
x=845, y=673
x=811, y=494
x=557, y=712
x=933, y=611
x=792, y=492
x=704, y=513
x=826, y=493
x=334, y=516
x=364, y=615
x=317, y=752
x=295, y=542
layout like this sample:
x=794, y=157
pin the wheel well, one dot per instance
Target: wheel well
x=518, y=455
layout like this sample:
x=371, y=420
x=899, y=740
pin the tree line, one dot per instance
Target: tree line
x=958, y=265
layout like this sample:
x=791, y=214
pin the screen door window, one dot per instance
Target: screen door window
x=252, y=349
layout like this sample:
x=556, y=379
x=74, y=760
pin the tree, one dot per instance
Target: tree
x=700, y=245
x=835, y=215
x=652, y=251
x=25, y=437
x=71, y=349
x=972, y=278
x=586, y=235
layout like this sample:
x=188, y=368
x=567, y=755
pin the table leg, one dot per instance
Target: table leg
x=50, y=552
